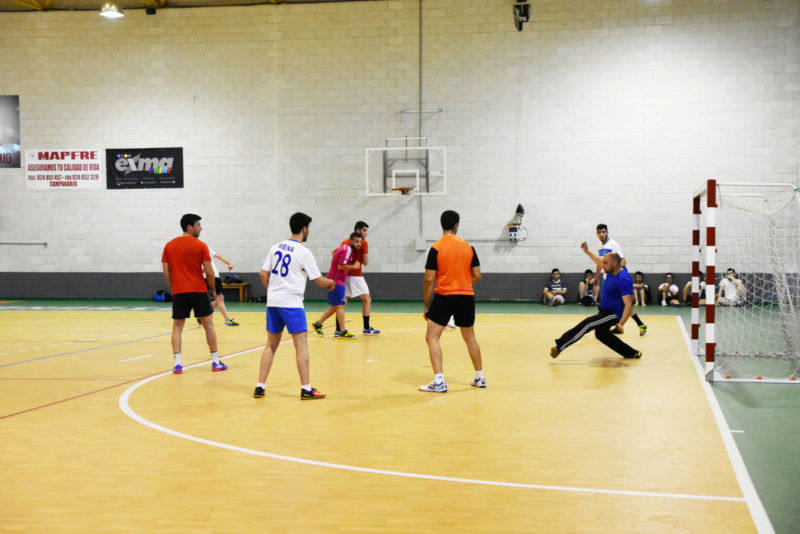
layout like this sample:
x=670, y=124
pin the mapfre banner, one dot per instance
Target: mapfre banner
x=144, y=168
x=63, y=169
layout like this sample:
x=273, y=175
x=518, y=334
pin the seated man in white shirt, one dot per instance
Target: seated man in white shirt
x=687, y=291
x=668, y=293
x=731, y=289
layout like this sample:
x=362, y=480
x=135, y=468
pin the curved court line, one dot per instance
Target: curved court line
x=127, y=410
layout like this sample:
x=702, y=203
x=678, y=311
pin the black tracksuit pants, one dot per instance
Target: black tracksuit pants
x=601, y=323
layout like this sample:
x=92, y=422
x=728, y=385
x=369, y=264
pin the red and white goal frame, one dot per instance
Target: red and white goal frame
x=706, y=203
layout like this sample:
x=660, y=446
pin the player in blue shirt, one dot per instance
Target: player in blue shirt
x=616, y=307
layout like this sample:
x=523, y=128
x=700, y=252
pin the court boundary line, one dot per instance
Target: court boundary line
x=124, y=405
x=754, y=504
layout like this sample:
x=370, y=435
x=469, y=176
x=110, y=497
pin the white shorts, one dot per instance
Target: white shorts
x=355, y=286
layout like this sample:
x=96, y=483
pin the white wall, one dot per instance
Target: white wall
x=599, y=111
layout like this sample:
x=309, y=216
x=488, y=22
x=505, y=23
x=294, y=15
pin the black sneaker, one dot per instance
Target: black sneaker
x=259, y=392
x=635, y=356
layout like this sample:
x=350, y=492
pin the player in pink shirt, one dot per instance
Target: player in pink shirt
x=343, y=262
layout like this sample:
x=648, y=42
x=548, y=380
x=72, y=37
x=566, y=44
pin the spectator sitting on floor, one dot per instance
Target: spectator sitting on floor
x=668, y=292
x=641, y=290
x=555, y=290
x=586, y=289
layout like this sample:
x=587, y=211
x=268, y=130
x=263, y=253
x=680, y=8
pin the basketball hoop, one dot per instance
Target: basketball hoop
x=403, y=190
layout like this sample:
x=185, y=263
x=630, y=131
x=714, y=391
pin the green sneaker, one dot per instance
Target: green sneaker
x=344, y=333
x=317, y=328
x=642, y=329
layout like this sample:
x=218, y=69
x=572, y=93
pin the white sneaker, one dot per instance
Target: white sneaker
x=451, y=324
x=663, y=302
x=435, y=387
x=478, y=383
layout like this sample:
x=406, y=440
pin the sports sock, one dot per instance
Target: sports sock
x=306, y=387
x=262, y=385
x=337, y=325
x=479, y=374
x=215, y=356
x=636, y=318
x=178, y=358
x=366, y=322
x=438, y=378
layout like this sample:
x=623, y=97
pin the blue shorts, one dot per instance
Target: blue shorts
x=336, y=297
x=292, y=318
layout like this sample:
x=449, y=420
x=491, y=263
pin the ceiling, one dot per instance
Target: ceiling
x=94, y=5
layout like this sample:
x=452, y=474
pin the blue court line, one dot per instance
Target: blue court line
x=92, y=348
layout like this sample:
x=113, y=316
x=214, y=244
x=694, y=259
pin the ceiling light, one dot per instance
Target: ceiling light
x=110, y=10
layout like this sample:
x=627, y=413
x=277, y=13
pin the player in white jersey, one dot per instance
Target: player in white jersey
x=284, y=274
x=219, y=302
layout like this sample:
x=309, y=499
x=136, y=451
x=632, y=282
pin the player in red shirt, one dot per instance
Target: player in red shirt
x=355, y=285
x=342, y=264
x=184, y=259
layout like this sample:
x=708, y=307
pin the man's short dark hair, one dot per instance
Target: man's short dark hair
x=449, y=219
x=188, y=220
x=588, y=271
x=602, y=226
x=639, y=272
x=298, y=221
x=730, y=270
x=359, y=225
x=668, y=274
x=555, y=271
x=354, y=234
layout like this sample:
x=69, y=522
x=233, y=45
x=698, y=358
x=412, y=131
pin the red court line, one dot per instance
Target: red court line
x=101, y=389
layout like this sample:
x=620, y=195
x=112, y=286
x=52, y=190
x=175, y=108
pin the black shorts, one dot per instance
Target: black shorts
x=218, y=285
x=184, y=303
x=460, y=307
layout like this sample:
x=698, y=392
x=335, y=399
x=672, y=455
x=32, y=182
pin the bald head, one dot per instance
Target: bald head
x=611, y=262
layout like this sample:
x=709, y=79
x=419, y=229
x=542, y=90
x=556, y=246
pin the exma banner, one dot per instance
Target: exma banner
x=144, y=168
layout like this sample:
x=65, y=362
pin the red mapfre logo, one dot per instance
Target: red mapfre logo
x=61, y=156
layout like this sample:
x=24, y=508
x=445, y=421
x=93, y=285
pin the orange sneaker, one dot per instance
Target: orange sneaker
x=313, y=394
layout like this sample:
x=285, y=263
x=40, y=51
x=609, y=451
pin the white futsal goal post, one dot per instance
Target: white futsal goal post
x=752, y=333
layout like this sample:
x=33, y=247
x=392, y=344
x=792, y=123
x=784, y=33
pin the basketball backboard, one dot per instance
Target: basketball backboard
x=405, y=162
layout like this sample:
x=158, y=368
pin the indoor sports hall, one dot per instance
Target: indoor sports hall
x=653, y=143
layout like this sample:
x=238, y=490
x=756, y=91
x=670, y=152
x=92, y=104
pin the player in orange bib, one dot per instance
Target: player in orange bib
x=452, y=268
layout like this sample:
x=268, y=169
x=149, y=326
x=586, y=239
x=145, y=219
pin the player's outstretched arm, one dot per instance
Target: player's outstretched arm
x=592, y=256
x=224, y=260
x=167, y=276
x=327, y=283
x=264, y=275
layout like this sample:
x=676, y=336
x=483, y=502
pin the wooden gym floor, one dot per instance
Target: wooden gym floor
x=98, y=435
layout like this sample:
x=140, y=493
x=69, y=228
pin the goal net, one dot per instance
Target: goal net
x=747, y=243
